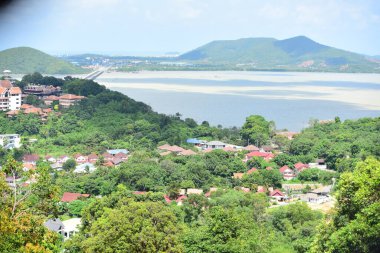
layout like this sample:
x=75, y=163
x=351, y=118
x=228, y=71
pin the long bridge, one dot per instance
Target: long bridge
x=93, y=75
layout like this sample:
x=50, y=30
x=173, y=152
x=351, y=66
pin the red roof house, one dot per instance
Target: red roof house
x=32, y=158
x=121, y=156
x=287, y=173
x=187, y=152
x=260, y=189
x=265, y=155
x=300, y=166
x=276, y=193
x=251, y=148
x=107, y=156
x=80, y=158
x=5, y=84
x=71, y=196
x=92, y=158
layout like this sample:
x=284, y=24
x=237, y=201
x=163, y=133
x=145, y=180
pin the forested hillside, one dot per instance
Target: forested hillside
x=23, y=60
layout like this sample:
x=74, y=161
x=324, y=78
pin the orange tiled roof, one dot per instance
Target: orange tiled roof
x=71, y=196
x=5, y=84
x=71, y=97
x=13, y=112
x=26, y=106
x=51, y=97
x=15, y=90
x=34, y=110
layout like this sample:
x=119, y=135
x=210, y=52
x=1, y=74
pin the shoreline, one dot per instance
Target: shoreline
x=363, y=98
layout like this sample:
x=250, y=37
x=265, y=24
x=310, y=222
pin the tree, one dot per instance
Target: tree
x=69, y=165
x=298, y=223
x=256, y=130
x=317, y=175
x=33, y=100
x=355, y=226
x=135, y=227
x=285, y=159
x=227, y=230
x=23, y=208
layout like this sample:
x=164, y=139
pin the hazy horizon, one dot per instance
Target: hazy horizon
x=147, y=27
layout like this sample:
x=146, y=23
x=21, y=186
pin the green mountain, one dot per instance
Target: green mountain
x=23, y=60
x=298, y=53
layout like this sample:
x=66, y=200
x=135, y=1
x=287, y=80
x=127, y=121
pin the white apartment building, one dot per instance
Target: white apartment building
x=10, y=141
x=10, y=97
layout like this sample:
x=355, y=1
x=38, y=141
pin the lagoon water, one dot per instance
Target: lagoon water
x=227, y=98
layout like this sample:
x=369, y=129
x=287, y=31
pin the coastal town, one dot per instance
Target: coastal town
x=50, y=100
x=205, y=164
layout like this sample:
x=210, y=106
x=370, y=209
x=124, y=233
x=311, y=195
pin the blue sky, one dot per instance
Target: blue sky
x=158, y=26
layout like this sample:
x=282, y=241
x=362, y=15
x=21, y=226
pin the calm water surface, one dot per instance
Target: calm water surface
x=229, y=101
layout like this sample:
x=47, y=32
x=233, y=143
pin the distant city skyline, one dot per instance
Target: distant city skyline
x=150, y=27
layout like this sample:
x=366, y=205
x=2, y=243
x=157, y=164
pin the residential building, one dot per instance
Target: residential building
x=319, y=164
x=10, y=97
x=196, y=142
x=187, y=152
x=121, y=156
x=42, y=90
x=251, y=148
x=30, y=158
x=80, y=158
x=63, y=159
x=92, y=158
x=54, y=225
x=287, y=173
x=300, y=167
x=71, y=196
x=50, y=99
x=287, y=134
x=319, y=195
x=194, y=191
x=68, y=100
x=278, y=195
x=215, y=145
x=265, y=155
x=107, y=156
x=117, y=151
x=84, y=168
x=9, y=141
x=71, y=227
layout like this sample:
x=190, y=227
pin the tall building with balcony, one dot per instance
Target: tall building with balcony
x=10, y=97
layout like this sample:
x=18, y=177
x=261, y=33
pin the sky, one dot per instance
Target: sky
x=154, y=27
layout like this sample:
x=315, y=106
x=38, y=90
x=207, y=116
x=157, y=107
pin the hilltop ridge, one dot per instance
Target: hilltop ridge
x=22, y=60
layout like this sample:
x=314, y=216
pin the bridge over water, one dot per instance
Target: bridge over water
x=93, y=75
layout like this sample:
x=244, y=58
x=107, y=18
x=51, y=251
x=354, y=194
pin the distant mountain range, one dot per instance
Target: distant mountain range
x=298, y=53
x=23, y=60
x=293, y=54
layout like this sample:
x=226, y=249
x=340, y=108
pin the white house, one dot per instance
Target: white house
x=80, y=158
x=215, y=145
x=10, y=97
x=287, y=173
x=10, y=141
x=70, y=227
x=319, y=164
x=66, y=228
x=85, y=167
